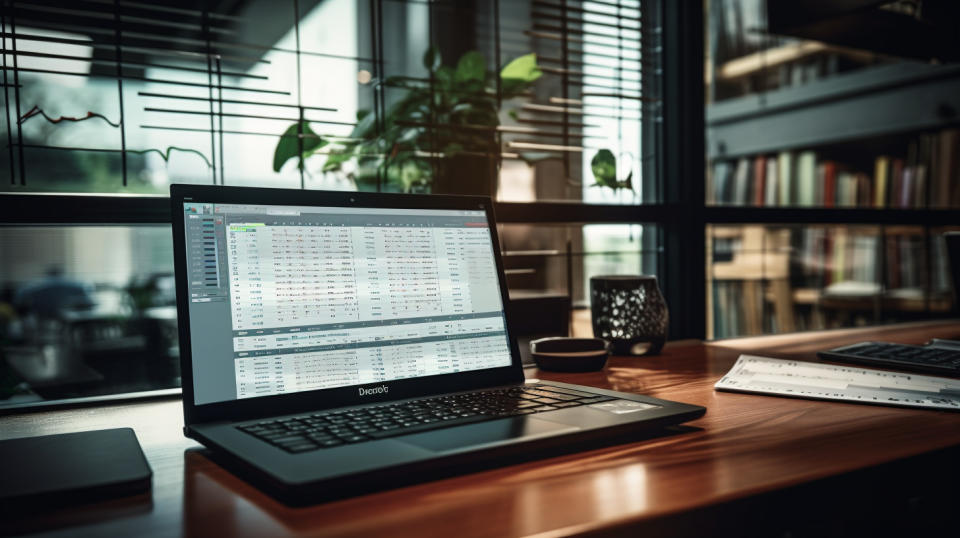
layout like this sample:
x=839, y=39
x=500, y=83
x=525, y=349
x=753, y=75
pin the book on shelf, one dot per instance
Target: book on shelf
x=864, y=190
x=741, y=183
x=806, y=179
x=846, y=193
x=880, y=167
x=927, y=174
x=896, y=175
x=837, y=257
x=718, y=175
x=942, y=282
x=770, y=195
x=730, y=310
x=906, y=187
x=828, y=194
x=785, y=175
x=947, y=186
x=759, y=179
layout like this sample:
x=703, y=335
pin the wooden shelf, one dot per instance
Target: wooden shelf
x=871, y=102
x=820, y=215
x=776, y=56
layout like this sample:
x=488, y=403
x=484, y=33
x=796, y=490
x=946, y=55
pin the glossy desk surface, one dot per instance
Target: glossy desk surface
x=745, y=445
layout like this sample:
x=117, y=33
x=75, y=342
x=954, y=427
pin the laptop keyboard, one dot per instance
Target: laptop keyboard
x=335, y=428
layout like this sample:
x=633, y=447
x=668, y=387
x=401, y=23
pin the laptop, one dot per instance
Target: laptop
x=334, y=343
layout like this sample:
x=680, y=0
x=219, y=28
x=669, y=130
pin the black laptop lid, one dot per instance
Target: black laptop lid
x=296, y=300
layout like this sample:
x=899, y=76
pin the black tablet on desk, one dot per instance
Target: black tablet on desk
x=71, y=468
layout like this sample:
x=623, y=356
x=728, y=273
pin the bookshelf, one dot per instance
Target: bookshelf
x=831, y=174
x=750, y=269
x=772, y=277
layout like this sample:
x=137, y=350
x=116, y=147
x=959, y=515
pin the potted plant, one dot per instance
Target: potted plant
x=440, y=136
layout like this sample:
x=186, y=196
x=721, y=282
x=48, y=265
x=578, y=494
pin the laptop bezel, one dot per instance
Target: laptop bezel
x=241, y=409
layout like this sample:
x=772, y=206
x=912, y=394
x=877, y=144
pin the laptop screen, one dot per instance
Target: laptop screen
x=286, y=299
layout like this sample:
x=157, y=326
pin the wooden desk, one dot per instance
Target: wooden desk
x=750, y=459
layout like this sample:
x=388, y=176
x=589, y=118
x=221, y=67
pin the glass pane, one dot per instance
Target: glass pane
x=588, y=130
x=520, y=100
x=86, y=311
x=843, y=122
x=169, y=103
x=560, y=260
x=765, y=279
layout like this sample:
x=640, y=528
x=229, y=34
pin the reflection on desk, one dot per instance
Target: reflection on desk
x=753, y=464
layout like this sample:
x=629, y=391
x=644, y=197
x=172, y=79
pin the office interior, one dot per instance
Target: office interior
x=781, y=167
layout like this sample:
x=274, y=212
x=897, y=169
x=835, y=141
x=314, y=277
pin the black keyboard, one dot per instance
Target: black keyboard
x=899, y=356
x=335, y=428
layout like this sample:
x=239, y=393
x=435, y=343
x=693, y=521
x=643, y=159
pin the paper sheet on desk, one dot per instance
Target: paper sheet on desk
x=798, y=379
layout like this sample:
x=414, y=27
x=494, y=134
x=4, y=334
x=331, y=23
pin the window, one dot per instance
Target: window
x=830, y=177
x=72, y=326
x=550, y=106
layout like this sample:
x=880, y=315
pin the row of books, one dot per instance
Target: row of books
x=730, y=311
x=733, y=316
x=828, y=256
x=928, y=176
x=832, y=262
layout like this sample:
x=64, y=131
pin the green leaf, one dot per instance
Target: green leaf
x=462, y=108
x=364, y=127
x=477, y=112
x=287, y=148
x=604, y=167
x=471, y=67
x=444, y=77
x=432, y=59
x=289, y=145
x=409, y=135
x=335, y=160
x=410, y=174
x=520, y=73
x=522, y=68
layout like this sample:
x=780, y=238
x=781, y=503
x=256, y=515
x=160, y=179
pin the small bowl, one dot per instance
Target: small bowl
x=562, y=354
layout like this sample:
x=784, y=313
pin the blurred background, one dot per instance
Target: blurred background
x=549, y=107
x=847, y=110
x=779, y=165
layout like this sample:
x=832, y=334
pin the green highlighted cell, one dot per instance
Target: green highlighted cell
x=252, y=227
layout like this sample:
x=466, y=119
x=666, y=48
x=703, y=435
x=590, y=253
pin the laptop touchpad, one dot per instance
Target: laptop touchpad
x=475, y=435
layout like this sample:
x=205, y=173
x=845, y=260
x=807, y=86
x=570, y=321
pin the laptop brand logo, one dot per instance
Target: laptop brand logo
x=382, y=389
